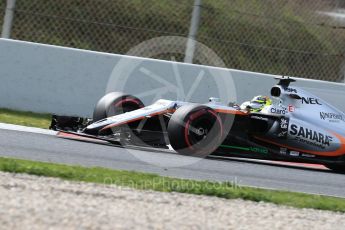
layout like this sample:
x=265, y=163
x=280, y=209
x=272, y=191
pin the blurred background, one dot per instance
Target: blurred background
x=302, y=38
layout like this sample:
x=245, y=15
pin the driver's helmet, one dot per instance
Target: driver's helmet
x=257, y=103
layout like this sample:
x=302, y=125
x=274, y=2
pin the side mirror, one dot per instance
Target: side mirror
x=295, y=96
x=276, y=91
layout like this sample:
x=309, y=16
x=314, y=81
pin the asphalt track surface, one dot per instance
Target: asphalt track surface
x=50, y=148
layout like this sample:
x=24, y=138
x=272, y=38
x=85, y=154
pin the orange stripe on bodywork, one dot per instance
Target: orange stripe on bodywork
x=138, y=118
x=338, y=152
x=236, y=112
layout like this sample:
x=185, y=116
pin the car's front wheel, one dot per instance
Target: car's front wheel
x=195, y=130
x=115, y=103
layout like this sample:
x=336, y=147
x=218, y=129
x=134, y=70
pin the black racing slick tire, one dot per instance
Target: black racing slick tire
x=195, y=130
x=115, y=103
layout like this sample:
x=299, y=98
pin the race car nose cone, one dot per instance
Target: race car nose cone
x=91, y=131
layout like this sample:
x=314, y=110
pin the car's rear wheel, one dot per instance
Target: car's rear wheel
x=195, y=130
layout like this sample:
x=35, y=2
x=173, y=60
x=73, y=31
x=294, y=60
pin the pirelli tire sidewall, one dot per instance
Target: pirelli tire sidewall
x=197, y=117
x=115, y=103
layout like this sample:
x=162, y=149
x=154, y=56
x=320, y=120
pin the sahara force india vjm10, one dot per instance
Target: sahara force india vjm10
x=298, y=127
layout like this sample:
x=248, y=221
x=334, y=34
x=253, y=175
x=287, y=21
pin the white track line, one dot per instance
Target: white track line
x=27, y=129
x=275, y=162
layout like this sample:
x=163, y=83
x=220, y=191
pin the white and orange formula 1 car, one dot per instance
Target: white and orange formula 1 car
x=298, y=127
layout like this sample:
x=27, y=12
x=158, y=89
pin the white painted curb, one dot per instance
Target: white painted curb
x=27, y=129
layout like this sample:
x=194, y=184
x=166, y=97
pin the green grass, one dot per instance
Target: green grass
x=154, y=182
x=145, y=181
x=25, y=118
